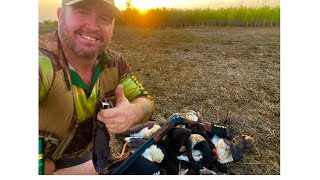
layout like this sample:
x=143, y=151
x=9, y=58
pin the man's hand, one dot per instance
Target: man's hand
x=49, y=166
x=125, y=114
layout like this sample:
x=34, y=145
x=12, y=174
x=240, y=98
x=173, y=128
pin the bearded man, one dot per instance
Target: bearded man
x=77, y=71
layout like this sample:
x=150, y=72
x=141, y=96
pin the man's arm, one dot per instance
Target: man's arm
x=45, y=82
x=45, y=76
x=145, y=106
x=49, y=166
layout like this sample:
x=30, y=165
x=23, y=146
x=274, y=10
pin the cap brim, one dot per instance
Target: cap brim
x=114, y=10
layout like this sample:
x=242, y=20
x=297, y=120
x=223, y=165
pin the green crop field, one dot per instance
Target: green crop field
x=239, y=16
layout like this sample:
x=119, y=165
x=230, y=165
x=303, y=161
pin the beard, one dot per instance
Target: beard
x=66, y=37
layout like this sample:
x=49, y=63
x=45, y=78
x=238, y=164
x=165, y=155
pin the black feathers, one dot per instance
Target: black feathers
x=101, y=155
x=190, y=147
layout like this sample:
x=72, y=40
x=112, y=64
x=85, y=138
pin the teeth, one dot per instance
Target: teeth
x=88, y=38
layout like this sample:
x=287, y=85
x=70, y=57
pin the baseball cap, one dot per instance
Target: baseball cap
x=109, y=5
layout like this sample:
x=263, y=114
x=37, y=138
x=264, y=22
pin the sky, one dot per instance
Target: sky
x=47, y=8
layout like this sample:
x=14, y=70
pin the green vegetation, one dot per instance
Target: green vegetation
x=190, y=39
x=44, y=29
x=50, y=22
x=164, y=17
x=47, y=26
x=234, y=16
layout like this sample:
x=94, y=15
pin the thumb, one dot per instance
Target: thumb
x=119, y=94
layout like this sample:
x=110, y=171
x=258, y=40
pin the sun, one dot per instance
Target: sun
x=144, y=5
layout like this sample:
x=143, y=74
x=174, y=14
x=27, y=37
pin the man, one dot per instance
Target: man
x=76, y=71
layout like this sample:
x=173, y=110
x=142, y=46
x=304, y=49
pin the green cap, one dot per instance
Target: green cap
x=109, y=5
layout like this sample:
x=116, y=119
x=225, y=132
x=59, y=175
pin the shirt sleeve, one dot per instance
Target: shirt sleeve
x=132, y=89
x=45, y=76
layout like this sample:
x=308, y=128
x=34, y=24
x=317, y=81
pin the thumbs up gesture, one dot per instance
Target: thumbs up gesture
x=120, y=97
x=123, y=116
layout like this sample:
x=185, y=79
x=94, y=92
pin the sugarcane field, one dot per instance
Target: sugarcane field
x=227, y=73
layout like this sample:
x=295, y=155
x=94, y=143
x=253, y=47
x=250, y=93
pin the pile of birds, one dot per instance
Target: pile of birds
x=185, y=149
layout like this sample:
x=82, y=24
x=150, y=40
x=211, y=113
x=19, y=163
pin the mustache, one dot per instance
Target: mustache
x=94, y=34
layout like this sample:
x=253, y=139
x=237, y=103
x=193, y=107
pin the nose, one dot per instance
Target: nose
x=92, y=23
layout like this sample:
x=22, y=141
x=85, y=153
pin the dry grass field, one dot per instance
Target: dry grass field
x=218, y=71
x=221, y=72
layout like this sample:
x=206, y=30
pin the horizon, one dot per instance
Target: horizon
x=47, y=8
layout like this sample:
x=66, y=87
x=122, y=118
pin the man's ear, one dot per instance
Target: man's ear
x=59, y=13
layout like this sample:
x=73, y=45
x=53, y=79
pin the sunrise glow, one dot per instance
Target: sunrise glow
x=48, y=8
x=144, y=4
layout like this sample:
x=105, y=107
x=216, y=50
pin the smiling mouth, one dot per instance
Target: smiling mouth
x=88, y=37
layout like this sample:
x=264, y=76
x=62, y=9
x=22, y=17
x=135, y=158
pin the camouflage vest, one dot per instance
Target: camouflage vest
x=57, y=118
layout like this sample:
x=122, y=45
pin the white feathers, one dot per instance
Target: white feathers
x=183, y=158
x=195, y=138
x=128, y=139
x=153, y=154
x=182, y=149
x=192, y=116
x=223, y=151
x=189, y=114
x=156, y=173
x=151, y=131
x=140, y=134
x=196, y=154
x=215, y=139
x=146, y=132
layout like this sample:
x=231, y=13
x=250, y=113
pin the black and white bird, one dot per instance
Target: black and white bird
x=136, y=136
x=231, y=150
x=144, y=130
x=151, y=159
x=148, y=163
x=197, y=155
x=229, y=143
x=173, y=143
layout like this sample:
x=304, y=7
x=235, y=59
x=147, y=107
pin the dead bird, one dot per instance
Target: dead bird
x=150, y=160
x=198, y=156
x=231, y=150
x=144, y=130
x=136, y=136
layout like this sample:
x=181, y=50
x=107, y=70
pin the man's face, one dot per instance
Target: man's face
x=86, y=28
